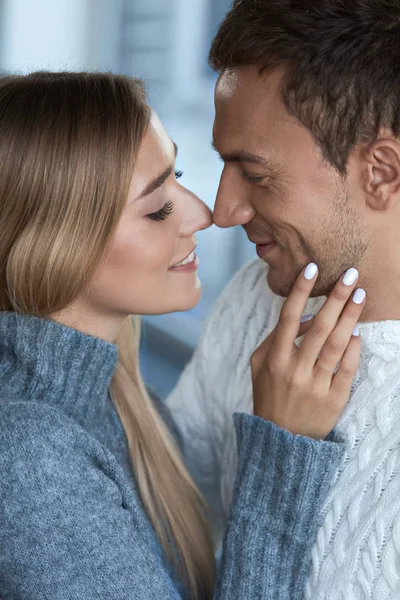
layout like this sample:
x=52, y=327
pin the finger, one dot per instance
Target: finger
x=292, y=310
x=342, y=380
x=305, y=324
x=340, y=337
x=327, y=319
x=260, y=354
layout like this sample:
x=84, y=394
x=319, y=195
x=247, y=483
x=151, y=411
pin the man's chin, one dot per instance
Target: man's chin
x=282, y=285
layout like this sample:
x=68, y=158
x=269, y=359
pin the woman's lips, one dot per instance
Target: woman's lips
x=263, y=250
x=189, y=267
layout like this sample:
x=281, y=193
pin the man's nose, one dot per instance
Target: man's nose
x=232, y=206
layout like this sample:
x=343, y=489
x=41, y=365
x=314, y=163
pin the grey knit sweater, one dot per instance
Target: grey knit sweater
x=72, y=525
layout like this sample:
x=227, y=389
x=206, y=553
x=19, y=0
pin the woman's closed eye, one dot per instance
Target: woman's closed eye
x=167, y=209
x=163, y=213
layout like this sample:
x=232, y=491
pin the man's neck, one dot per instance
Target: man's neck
x=383, y=297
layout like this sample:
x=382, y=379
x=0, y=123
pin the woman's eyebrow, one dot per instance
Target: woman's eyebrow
x=160, y=179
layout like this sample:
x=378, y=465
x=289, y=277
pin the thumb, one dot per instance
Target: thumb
x=305, y=325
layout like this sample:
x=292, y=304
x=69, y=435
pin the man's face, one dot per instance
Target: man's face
x=275, y=183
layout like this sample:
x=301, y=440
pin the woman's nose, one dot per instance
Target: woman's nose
x=196, y=215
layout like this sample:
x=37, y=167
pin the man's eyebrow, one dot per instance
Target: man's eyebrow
x=158, y=181
x=240, y=156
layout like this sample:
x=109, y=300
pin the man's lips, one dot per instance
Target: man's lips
x=261, y=242
x=264, y=249
x=263, y=245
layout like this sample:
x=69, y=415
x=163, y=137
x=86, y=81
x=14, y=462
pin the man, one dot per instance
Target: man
x=308, y=124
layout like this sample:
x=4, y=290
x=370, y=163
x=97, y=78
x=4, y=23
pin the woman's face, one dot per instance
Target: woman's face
x=142, y=272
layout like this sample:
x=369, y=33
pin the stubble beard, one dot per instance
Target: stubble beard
x=340, y=244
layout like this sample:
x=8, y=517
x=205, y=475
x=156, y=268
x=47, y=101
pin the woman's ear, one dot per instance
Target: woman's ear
x=382, y=173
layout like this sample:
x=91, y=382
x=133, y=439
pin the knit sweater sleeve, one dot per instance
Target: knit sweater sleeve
x=68, y=530
x=281, y=483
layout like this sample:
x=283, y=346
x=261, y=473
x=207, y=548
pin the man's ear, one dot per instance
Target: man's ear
x=382, y=173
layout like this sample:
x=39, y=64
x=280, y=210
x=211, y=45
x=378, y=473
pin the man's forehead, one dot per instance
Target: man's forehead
x=247, y=82
x=250, y=113
x=252, y=100
x=238, y=135
x=227, y=84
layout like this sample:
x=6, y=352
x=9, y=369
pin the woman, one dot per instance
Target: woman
x=94, y=227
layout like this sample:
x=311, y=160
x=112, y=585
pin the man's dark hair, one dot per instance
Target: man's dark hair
x=341, y=59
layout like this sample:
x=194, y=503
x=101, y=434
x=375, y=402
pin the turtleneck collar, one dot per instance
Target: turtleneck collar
x=44, y=361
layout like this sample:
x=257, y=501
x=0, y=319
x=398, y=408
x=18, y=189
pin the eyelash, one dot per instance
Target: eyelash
x=162, y=214
x=167, y=209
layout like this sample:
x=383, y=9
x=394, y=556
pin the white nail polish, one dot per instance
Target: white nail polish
x=356, y=331
x=350, y=276
x=311, y=271
x=359, y=296
x=306, y=318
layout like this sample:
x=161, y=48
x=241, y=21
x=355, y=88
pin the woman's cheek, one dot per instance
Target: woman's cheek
x=154, y=246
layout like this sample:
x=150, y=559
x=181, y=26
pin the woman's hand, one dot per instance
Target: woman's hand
x=302, y=389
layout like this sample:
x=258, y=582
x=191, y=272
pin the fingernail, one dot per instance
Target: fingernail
x=356, y=331
x=306, y=318
x=359, y=296
x=311, y=271
x=350, y=276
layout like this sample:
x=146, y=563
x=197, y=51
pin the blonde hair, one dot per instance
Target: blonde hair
x=68, y=144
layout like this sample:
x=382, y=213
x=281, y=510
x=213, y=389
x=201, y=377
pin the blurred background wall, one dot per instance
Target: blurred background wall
x=165, y=42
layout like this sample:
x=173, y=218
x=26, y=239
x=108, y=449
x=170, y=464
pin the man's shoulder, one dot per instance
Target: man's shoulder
x=243, y=311
x=253, y=274
x=246, y=295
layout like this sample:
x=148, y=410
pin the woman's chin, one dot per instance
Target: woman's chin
x=184, y=299
x=179, y=301
x=188, y=300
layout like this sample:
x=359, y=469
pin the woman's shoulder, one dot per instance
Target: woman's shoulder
x=64, y=502
x=16, y=415
x=47, y=458
x=33, y=420
x=37, y=440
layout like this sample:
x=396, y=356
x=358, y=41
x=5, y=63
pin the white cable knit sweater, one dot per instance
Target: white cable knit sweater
x=357, y=552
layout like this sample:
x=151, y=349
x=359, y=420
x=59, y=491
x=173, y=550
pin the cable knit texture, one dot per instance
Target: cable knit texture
x=72, y=525
x=357, y=552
